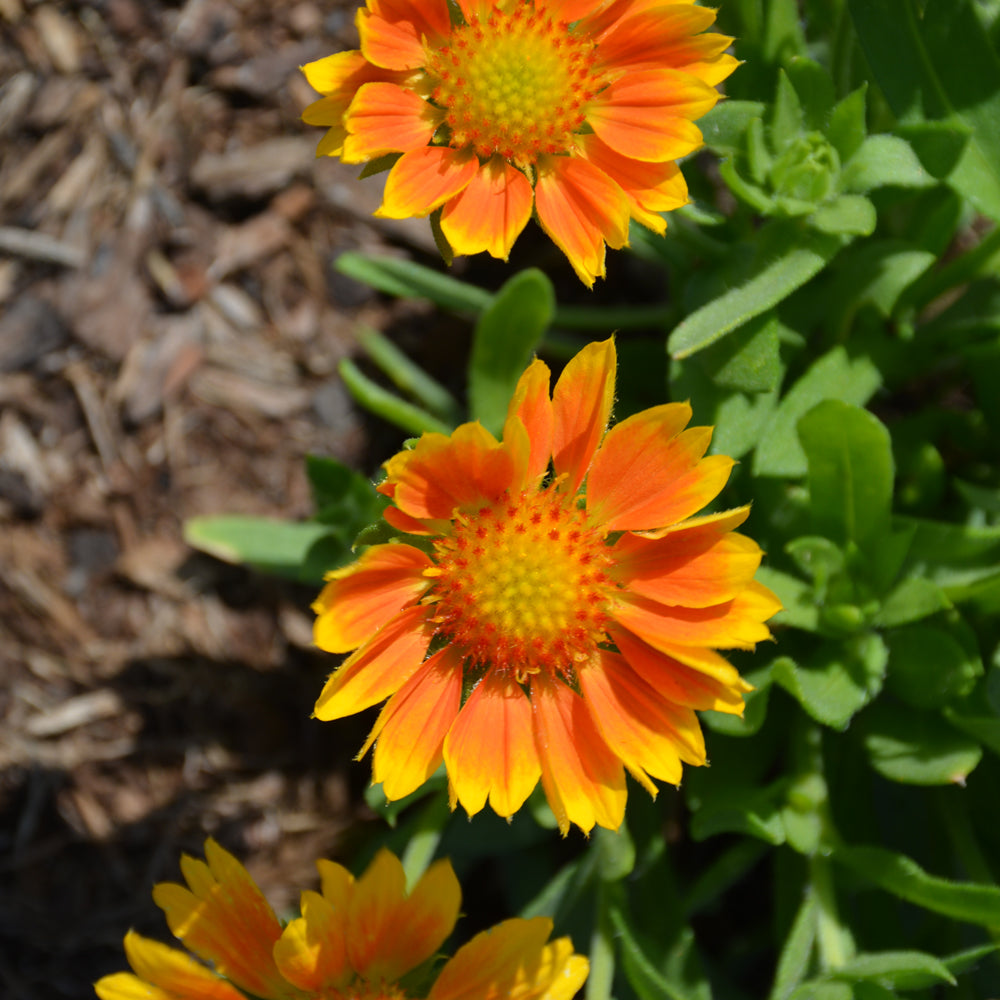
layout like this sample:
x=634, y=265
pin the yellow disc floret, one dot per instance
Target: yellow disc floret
x=515, y=83
x=521, y=585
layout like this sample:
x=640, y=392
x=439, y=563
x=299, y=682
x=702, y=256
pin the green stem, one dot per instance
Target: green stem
x=833, y=940
x=602, y=949
x=425, y=838
x=410, y=377
x=387, y=405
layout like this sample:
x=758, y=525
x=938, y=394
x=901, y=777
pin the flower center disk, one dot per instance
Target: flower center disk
x=521, y=585
x=516, y=84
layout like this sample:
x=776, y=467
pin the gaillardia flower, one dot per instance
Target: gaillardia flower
x=575, y=110
x=556, y=624
x=355, y=940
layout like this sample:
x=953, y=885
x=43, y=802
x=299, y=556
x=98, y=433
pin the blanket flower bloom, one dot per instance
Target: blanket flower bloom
x=545, y=626
x=355, y=940
x=575, y=110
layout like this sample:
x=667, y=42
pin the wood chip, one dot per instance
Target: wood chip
x=254, y=171
x=39, y=246
x=238, y=392
x=61, y=37
x=75, y=712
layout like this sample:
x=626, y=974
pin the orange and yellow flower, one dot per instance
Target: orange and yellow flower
x=355, y=940
x=556, y=612
x=576, y=110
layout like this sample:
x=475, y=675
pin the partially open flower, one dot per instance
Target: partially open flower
x=355, y=940
x=548, y=623
x=575, y=110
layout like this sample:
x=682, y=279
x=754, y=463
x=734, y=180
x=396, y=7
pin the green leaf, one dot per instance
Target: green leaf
x=796, y=953
x=940, y=66
x=917, y=747
x=884, y=161
x=846, y=131
x=615, y=854
x=836, y=375
x=848, y=215
x=814, y=89
x=939, y=145
x=877, y=274
x=267, y=544
x=724, y=126
x=902, y=970
x=648, y=981
x=505, y=340
x=837, y=680
x=748, y=360
x=739, y=810
x=850, y=472
x=343, y=497
x=773, y=281
x=818, y=989
x=799, y=608
x=928, y=666
x=982, y=728
x=970, y=902
x=787, y=119
x=962, y=560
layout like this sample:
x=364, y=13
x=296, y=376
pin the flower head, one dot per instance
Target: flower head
x=556, y=624
x=355, y=940
x=575, y=110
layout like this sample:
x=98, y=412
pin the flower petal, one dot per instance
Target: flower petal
x=372, y=912
x=337, y=883
x=361, y=598
x=312, y=950
x=649, y=472
x=425, y=178
x=667, y=35
x=692, y=570
x=651, y=188
x=735, y=624
x=583, y=779
x=393, y=31
x=412, y=727
x=678, y=682
x=423, y=922
x=581, y=209
x=532, y=405
x=387, y=118
x=490, y=749
x=223, y=917
x=650, y=734
x=378, y=669
x=442, y=474
x=645, y=115
x=491, y=212
x=163, y=973
x=581, y=408
x=505, y=961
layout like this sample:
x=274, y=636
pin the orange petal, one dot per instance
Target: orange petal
x=583, y=779
x=387, y=118
x=651, y=188
x=678, y=682
x=649, y=733
x=491, y=212
x=312, y=950
x=422, y=923
x=717, y=523
x=532, y=405
x=581, y=208
x=378, y=669
x=223, y=917
x=413, y=526
x=490, y=749
x=463, y=471
x=162, y=973
x=425, y=178
x=665, y=36
x=372, y=911
x=649, y=472
x=736, y=624
x=359, y=599
x=491, y=964
x=581, y=408
x=645, y=115
x=390, y=933
x=393, y=31
x=412, y=726
x=690, y=569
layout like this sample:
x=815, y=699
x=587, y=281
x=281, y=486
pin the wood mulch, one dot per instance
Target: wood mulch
x=170, y=327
